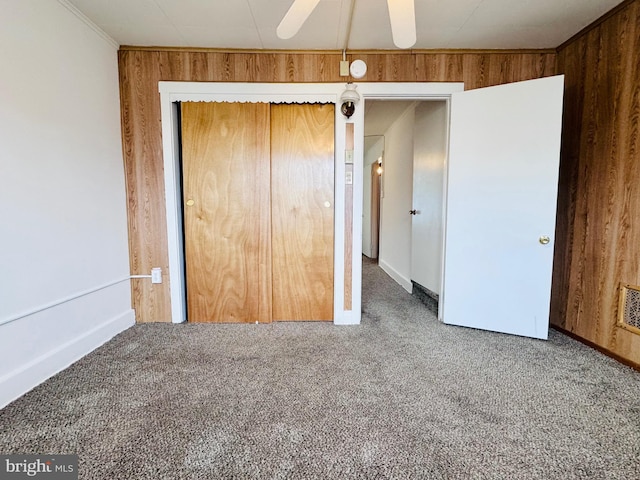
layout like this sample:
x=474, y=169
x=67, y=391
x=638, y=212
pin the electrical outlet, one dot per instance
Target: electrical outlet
x=156, y=275
x=348, y=178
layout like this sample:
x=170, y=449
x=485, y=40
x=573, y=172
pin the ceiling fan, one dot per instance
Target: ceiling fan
x=401, y=15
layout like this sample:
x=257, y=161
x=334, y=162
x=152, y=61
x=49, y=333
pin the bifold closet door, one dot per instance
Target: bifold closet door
x=226, y=190
x=302, y=196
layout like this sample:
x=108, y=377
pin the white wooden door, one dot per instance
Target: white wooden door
x=429, y=160
x=501, y=206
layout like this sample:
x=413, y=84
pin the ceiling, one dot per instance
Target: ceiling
x=251, y=24
x=379, y=115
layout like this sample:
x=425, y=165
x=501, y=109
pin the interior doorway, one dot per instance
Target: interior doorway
x=372, y=194
x=376, y=193
x=403, y=194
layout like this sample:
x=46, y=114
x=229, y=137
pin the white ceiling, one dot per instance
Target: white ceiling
x=251, y=24
x=379, y=115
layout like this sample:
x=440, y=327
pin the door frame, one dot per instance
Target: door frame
x=173, y=92
x=375, y=207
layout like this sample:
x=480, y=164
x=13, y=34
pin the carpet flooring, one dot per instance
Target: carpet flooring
x=399, y=396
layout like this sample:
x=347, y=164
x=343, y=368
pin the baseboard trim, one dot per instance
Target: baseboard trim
x=427, y=297
x=346, y=318
x=400, y=279
x=28, y=376
x=595, y=346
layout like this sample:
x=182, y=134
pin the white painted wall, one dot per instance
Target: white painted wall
x=430, y=153
x=395, y=232
x=371, y=156
x=63, y=223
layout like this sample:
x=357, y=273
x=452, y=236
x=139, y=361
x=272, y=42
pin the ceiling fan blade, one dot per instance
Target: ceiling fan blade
x=402, y=14
x=295, y=17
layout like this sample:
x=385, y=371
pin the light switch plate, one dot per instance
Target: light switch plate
x=348, y=156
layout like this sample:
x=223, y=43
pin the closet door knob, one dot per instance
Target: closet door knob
x=413, y=212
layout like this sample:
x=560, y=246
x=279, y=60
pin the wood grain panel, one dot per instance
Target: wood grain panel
x=400, y=67
x=141, y=69
x=348, y=222
x=488, y=69
x=598, y=241
x=568, y=60
x=290, y=67
x=440, y=67
x=225, y=155
x=142, y=151
x=302, y=172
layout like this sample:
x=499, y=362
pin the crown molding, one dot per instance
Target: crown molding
x=87, y=21
x=160, y=48
x=593, y=25
x=335, y=52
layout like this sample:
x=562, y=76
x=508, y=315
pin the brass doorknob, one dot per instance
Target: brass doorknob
x=544, y=240
x=190, y=203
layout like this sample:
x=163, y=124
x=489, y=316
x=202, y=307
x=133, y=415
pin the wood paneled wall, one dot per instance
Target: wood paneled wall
x=598, y=228
x=142, y=68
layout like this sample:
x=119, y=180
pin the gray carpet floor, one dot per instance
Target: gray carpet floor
x=400, y=396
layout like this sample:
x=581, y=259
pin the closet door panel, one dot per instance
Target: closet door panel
x=302, y=196
x=225, y=155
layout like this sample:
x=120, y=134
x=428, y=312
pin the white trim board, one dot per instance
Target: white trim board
x=393, y=273
x=172, y=92
x=28, y=376
x=87, y=21
x=69, y=298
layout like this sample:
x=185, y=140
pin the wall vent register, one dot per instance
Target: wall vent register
x=629, y=311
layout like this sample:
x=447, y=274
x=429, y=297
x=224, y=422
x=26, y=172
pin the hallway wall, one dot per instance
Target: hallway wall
x=395, y=230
